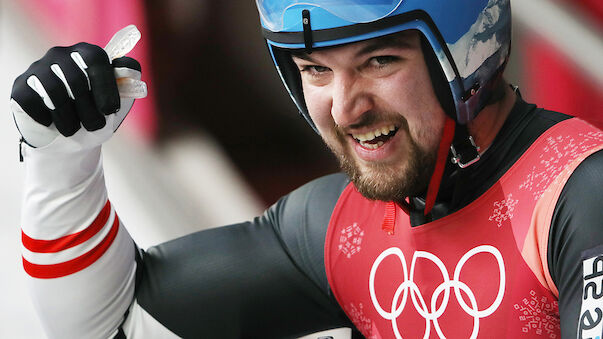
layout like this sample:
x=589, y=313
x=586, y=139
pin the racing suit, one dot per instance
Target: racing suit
x=265, y=277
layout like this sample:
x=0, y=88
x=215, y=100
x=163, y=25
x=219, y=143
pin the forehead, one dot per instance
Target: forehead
x=407, y=39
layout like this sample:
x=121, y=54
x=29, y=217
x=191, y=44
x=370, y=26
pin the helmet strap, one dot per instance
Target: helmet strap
x=448, y=135
x=456, y=140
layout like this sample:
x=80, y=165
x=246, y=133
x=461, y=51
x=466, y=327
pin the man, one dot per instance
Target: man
x=470, y=213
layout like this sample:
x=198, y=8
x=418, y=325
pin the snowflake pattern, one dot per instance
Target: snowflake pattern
x=557, y=153
x=350, y=240
x=503, y=210
x=539, y=316
x=362, y=322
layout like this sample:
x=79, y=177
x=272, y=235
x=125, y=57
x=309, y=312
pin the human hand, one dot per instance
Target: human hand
x=78, y=86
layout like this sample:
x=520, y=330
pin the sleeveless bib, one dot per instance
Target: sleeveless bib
x=479, y=272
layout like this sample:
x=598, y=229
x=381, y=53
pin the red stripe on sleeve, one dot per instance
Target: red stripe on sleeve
x=71, y=240
x=73, y=265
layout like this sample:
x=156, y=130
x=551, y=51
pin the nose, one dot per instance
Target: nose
x=350, y=99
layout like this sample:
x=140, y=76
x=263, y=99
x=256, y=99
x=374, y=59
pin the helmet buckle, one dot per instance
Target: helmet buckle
x=471, y=153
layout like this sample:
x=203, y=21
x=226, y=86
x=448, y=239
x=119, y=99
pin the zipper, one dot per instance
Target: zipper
x=21, y=149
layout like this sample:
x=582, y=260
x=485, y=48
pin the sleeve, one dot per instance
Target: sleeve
x=575, y=251
x=79, y=259
x=263, y=278
x=260, y=279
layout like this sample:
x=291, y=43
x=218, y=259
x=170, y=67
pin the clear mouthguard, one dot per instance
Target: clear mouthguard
x=121, y=44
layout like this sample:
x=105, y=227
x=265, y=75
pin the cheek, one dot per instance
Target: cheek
x=414, y=99
x=429, y=135
x=319, y=108
x=402, y=92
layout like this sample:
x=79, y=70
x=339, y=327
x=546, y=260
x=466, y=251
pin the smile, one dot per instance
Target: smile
x=376, y=138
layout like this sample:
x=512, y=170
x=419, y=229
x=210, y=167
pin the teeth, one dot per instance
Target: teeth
x=373, y=134
x=371, y=146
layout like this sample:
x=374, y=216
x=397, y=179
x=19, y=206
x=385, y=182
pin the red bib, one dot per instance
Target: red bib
x=479, y=272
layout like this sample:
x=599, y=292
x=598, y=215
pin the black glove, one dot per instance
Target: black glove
x=68, y=88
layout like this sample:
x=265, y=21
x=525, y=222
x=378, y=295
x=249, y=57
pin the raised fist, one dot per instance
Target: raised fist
x=70, y=88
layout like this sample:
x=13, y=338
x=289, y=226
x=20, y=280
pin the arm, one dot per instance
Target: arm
x=79, y=258
x=260, y=279
x=575, y=241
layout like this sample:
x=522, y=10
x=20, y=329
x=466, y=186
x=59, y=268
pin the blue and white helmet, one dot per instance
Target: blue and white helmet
x=470, y=38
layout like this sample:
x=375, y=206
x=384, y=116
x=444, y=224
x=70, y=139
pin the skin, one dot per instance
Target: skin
x=364, y=86
x=490, y=120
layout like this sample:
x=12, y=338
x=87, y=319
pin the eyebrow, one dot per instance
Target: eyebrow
x=389, y=41
x=385, y=42
x=302, y=55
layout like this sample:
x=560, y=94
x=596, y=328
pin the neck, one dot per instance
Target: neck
x=490, y=120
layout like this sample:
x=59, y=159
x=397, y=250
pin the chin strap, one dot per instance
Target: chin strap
x=464, y=154
x=436, y=178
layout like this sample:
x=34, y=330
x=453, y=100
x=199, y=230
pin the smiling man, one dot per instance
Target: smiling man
x=373, y=104
x=463, y=212
x=375, y=107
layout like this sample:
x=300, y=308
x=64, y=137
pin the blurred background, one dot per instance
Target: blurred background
x=218, y=138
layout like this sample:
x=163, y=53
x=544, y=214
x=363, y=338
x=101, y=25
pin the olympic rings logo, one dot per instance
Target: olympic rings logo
x=434, y=313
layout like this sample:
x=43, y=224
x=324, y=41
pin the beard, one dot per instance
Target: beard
x=408, y=177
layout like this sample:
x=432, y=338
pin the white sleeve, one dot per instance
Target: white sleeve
x=79, y=258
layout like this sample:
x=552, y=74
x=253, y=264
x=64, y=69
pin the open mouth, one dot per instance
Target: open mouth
x=376, y=138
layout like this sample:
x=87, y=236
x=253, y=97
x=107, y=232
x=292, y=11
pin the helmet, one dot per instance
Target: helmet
x=470, y=39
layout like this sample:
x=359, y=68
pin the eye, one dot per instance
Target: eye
x=314, y=69
x=383, y=60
